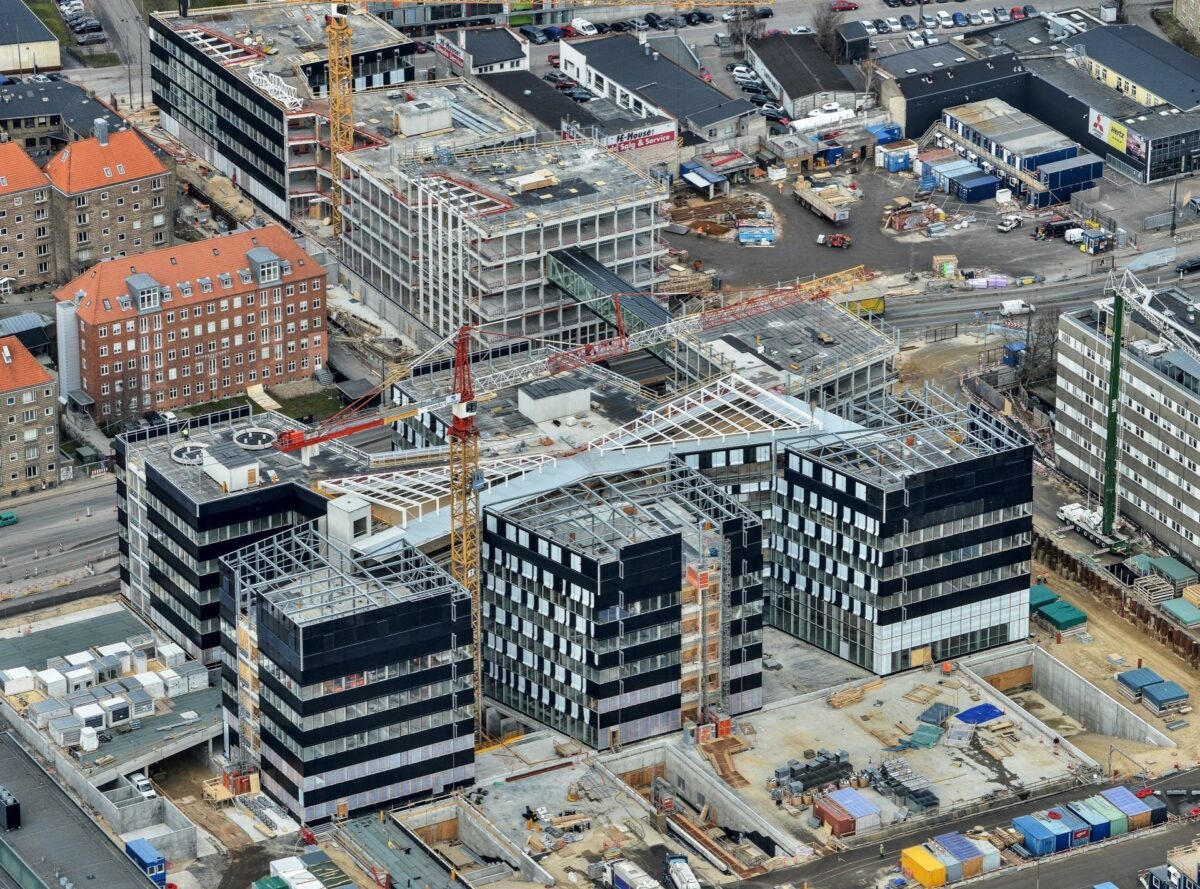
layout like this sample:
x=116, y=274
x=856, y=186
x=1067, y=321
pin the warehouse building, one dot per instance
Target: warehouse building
x=463, y=238
x=906, y=541
x=797, y=70
x=478, y=51
x=1158, y=486
x=28, y=45
x=361, y=693
x=622, y=603
x=243, y=87
x=639, y=78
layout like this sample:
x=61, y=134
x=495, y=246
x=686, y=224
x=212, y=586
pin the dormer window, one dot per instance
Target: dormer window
x=268, y=272
x=148, y=298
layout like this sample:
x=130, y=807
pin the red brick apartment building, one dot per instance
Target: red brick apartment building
x=190, y=324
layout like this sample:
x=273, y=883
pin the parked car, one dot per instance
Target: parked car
x=736, y=15
x=891, y=4
x=736, y=68
x=1030, y=10
x=843, y=5
x=1001, y=14
x=654, y=20
x=584, y=28
x=568, y=84
x=553, y=33
x=930, y=38
x=141, y=784
x=88, y=26
x=676, y=21
x=756, y=89
x=894, y=26
x=908, y=23
x=1188, y=266
x=702, y=16
x=7, y=518
x=776, y=116
x=869, y=27
x=579, y=94
x=762, y=100
x=915, y=40
x=960, y=20
x=989, y=18
x=602, y=27
x=945, y=19
x=90, y=39
x=639, y=25
x=765, y=12
x=619, y=27
x=557, y=77
x=532, y=34
x=882, y=27
x=974, y=18
x=568, y=32
x=929, y=21
x=799, y=29
x=56, y=76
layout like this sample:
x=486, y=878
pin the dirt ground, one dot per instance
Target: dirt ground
x=181, y=780
x=940, y=362
x=296, y=388
x=1113, y=635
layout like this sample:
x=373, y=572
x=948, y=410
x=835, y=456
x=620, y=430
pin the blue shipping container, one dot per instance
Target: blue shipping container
x=978, y=188
x=1081, y=831
x=1038, y=838
x=1097, y=821
x=1062, y=833
x=1158, y=809
x=146, y=857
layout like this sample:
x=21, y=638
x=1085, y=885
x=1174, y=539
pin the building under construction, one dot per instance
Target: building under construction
x=433, y=243
x=907, y=540
x=1159, y=414
x=355, y=675
x=621, y=605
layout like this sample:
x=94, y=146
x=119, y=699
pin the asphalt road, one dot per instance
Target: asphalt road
x=1119, y=862
x=59, y=531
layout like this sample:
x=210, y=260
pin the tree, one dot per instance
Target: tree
x=825, y=24
x=746, y=29
x=1040, y=350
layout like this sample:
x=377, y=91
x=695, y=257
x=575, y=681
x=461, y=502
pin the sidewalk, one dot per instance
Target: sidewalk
x=74, y=486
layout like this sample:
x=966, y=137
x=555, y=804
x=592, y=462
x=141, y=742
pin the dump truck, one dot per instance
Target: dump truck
x=836, y=240
x=830, y=201
x=679, y=873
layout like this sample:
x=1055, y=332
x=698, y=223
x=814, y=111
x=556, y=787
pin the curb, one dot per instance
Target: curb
x=63, y=490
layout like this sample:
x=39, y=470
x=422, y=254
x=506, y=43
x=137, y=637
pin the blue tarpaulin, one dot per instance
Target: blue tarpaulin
x=980, y=714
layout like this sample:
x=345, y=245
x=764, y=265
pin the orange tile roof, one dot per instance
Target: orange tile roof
x=87, y=164
x=18, y=368
x=99, y=289
x=17, y=171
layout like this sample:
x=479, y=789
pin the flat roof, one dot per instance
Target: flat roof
x=215, y=437
x=69, y=101
x=274, y=38
x=164, y=727
x=927, y=58
x=20, y=23
x=308, y=579
x=1149, y=61
x=476, y=121
x=550, y=107
x=800, y=65
x=391, y=846
x=911, y=433
x=32, y=651
x=1079, y=85
x=56, y=838
x=488, y=46
x=660, y=81
x=964, y=74
x=1018, y=132
x=601, y=514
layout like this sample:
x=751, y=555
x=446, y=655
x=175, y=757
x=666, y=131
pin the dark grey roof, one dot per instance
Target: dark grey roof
x=17, y=22
x=634, y=301
x=853, y=31
x=800, y=65
x=538, y=99
x=56, y=838
x=1149, y=61
x=661, y=82
x=67, y=100
x=926, y=59
x=970, y=74
x=490, y=46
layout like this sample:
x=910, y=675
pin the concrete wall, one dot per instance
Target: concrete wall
x=1070, y=692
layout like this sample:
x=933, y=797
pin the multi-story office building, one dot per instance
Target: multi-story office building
x=192, y=323
x=355, y=679
x=112, y=197
x=245, y=88
x=26, y=229
x=463, y=238
x=620, y=604
x=1158, y=485
x=908, y=540
x=29, y=439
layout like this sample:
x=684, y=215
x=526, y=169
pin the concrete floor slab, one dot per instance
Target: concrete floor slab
x=802, y=668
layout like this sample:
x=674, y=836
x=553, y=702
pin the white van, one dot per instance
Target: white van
x=1073, y=236
x=1011, y=307
x=945, y=19
x=584, y=27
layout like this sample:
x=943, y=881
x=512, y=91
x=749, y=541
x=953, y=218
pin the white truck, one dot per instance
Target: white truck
x=1089, y=524
x=1011, y=307
x=1008, y=223
x=679, y=873
x=627, y=875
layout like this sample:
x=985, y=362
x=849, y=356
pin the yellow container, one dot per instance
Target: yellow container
x=919, y=863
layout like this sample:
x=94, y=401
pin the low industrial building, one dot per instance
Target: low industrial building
x=649, y=143
x=29, y=402
x=42, y=117
x=462, y=238
x=796, y=69
x=906, y=541
x=637, y=77
x=1159, y=413
x=131, y=337
x=28, y=45
x=244, y=87
x=476, y=51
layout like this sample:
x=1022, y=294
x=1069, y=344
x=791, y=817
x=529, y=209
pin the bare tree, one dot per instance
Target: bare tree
x=825, y=24
x=1040, y=350
x=746, y=28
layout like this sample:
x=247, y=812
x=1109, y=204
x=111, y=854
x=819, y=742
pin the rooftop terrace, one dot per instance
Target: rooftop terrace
x=268, y=44
x=911, y=433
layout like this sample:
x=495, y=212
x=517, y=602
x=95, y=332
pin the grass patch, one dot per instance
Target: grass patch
x=1176, y=33
x=320, y=405
x=48, y=13
x=212, y=407
x=100, y=59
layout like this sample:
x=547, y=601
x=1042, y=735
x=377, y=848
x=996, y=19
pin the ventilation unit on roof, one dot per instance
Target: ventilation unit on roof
x=254, y=439
x=189, y=454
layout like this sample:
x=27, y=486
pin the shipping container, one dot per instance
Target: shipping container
x=864, y=812
x=954, y=868
x=838, y=820
x=976, y=188
x=1038, y=839
x=1131, y=682
x=1081, y=831
x=1158, y=809
x=919, y=864
x=1062, y=833
x=1133, y=808
x=961, y=848
x=1099, y=824
x=991, y=855
x=1118, y=822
